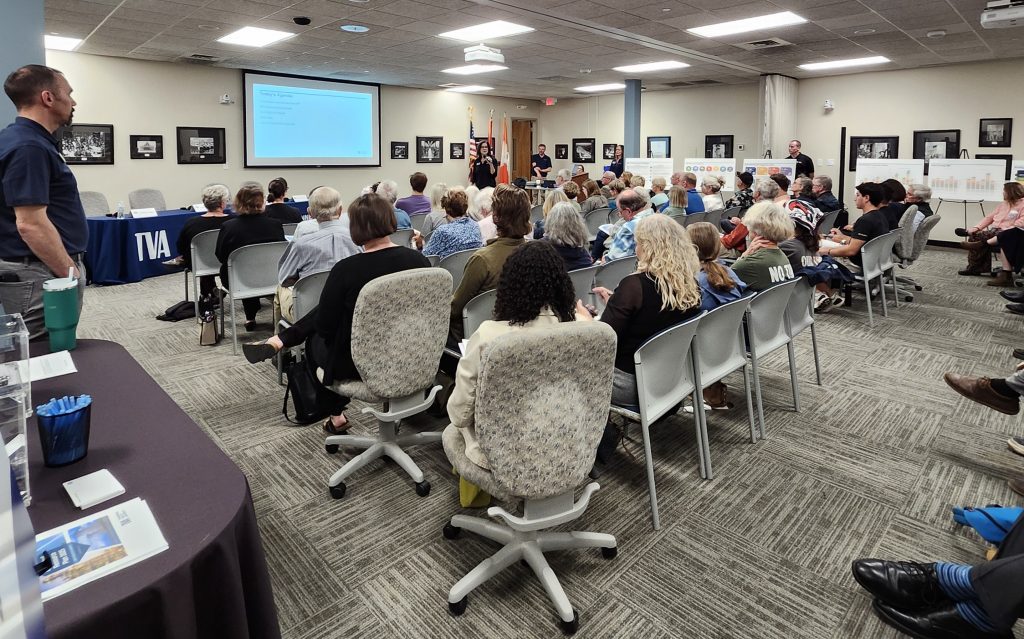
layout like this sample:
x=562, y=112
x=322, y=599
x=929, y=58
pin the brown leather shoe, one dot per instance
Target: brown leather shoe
x=980, y=390
x=1016, y=484
x=1003, y=279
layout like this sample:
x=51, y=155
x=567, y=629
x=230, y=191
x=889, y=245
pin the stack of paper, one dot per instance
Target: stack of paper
x=92, y=489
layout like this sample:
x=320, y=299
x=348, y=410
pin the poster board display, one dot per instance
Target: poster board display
x=650, y=168
x=762, y=168
x=906, y=171
x=967, y=179
x=724, y=168
x=1017, y=171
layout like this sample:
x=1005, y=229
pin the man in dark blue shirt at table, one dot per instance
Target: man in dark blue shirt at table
x=43, y=232
x=540, y=163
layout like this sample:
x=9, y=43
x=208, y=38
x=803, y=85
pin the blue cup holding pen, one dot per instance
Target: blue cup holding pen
x=64, y=429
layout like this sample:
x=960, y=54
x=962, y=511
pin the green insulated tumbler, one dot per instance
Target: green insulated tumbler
x=60, y=312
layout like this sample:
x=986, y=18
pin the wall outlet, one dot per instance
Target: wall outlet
x=739, y=147
x=830, y=162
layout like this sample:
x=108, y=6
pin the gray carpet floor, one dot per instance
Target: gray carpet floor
x=869, y=467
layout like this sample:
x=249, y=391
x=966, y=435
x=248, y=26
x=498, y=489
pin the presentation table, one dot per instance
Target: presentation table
x=212, y=581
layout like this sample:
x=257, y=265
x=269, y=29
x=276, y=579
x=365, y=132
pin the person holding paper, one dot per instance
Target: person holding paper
x=43, y=233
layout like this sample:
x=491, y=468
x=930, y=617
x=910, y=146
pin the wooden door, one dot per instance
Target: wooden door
x=522, y=148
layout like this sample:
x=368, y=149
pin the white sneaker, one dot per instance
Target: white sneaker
x=822, y=302
x=1016, y=444
x=837, y=299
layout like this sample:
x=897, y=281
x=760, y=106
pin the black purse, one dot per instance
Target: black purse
x=304, y=389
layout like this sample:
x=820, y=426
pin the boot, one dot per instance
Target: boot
x=1003, y=279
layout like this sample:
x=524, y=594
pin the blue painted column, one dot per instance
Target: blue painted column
x=631, y=139
x=21, y=43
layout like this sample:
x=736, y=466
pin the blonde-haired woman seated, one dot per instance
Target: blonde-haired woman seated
x=437, y=216
x=710, y=188
x=661, y=293
x=553, y=197
x=763, y=263
x=659, y=198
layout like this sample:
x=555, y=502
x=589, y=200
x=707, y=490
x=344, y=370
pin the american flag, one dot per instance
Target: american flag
x=472, y=144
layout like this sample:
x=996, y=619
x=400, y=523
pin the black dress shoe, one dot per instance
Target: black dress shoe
x=903, y=584
x=968, y=271
x=943, y=623
x=962, y=232
x=1017, y=308
x=1012, y=296
x=257, y=352
x=1018, y=353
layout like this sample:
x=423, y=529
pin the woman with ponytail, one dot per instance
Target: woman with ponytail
x=718, y=283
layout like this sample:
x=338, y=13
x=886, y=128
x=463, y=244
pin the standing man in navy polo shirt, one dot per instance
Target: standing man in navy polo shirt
x=42, y=223
x=540, y=163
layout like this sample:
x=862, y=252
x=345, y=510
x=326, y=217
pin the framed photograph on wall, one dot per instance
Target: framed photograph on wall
x=399, y=150
x=88, y=144
x=201, y=145
x=583, y=150
x=457, y=150
x=429, y=150
x=659, y=146
x=718, y=146
x=608, y=151
x=873, y=147
x=995, y=132
x=146, y=147
x=998, y=156
x=937, y=144
x=561, y=151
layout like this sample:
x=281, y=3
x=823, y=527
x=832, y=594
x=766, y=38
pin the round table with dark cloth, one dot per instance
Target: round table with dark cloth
x=212, y=581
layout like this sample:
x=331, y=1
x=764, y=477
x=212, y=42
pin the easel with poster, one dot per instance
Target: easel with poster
x=650, y=168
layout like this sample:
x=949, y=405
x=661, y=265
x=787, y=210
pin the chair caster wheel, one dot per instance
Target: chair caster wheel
x=423, y=488
x=908, y=298
x=610, y=553
x=918, y=288
x=570, y=627
x=331, y=448
x=451, y=532
x=338, y=491
x=459, y=607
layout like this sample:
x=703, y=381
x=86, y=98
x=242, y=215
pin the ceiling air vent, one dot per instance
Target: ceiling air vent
x=704, y=82
x=555, y=78
x=199, y=58
x=767, y=43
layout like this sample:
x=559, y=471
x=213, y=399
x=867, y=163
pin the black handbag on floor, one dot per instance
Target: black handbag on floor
x=303, y=388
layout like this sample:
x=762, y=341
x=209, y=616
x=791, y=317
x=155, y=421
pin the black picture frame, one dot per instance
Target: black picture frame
x=718, y=143
x=87, y=144
x=146, y=147
x=457, y=151
x=936, y=144
x=608, y=151
x=994, y=133
x=891, y=148
x=998, y=156
x=201, y=145
x=399, y=150
x=561, y=151
x=429, y=149
x=660, y=138
x=584, y=150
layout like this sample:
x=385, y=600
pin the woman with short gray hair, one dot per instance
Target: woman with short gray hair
x=215, y=197
x=564, y=228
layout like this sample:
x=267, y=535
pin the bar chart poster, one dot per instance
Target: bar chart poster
x=906, y=171
x=724, y=168
x=967, y=179
x=761, y=169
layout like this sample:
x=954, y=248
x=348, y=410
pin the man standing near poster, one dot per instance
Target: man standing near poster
x=43, y=232
x=804, y=164
x=540, y=163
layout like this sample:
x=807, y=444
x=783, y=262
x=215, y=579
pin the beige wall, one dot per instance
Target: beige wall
x=140, y=97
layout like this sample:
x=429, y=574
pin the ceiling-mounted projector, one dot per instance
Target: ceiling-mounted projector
x=1003, y=14
x=482, y=53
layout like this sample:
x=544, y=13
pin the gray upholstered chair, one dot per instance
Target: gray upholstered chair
x=94, y=203
x=147, y=198
x=766, y=332
x=393, y=312
x=909, y=256
x=539, y=417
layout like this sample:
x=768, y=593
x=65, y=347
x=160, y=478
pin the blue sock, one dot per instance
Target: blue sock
x=955, y=581
x=974, y=614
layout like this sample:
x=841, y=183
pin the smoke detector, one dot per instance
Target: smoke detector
x=483, y=53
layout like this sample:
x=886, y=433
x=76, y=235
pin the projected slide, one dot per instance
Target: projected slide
x=291, y=121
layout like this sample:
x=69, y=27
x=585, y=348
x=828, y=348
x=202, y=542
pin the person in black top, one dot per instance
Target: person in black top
x=327, y=329
x=249, y=226
x=215, y=197
x=276, y=208
x=824, y=200
x=868, y=226
x=618, y=163
x=485, y=168
x=540, y=163
x=892, y=202
x=804, y=164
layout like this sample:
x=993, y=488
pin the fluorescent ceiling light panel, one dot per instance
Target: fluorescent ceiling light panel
x=842, y=64
x=60, y=43
x=594, y=88
x=255, y=37
x=469, y=88
x=470, y=69
x=759, y=23
x=487, y=31
x=652, y=66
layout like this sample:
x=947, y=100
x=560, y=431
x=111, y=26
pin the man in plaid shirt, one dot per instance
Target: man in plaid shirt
x=632, y=208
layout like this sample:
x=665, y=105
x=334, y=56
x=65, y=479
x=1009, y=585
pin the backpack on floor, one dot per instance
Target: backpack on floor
x=178, y=312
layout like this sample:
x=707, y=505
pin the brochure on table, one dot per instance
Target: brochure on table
x=906, y=171
x=762, y=168
x=98, y=545
x=724, y=168
x=650, y=168
x=953, y=179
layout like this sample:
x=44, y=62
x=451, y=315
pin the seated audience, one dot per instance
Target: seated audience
x=483, y=203
x=553, y=197
x=872, y=224
x=606, y=178
x=710, y=189
x=461, y=233
x=719, y=284
x=659, y=199
x=824, y=201
x=388, y=189
x=783, y=183
x=918, y=195
x=310, y=225
x=632, y=208
x=276, y=209
x=744, y=196
x=511, y=214
x=572, y=192
x=595, y=198
x=471, y=194
x=736, y=238
x=248, y=226
x=564, y=228
x=803, y=191
x=676, y=201
x=626, y=177
x=802, y=248
x=981, y=237
x=437, y=216
x=562, y=177
x=577, y=169
x=763, y=263
x=637, y=180
x=417, y=203
x=694, y=201
x=313, y=252
x=614, y=188
x=893, y=194
x=215, y=197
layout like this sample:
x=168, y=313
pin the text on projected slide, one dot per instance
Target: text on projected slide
x=311, y=123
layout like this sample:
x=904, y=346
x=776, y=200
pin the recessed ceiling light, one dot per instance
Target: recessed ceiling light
x=652, y=66
x=759, y=23
x=487, y=31
x=595, y=88
x=840, y=64
x=863, y=31
x=938, y=33
x=207, y=27
x=255, y=37
x=354, y=28
x=665, y=10
x=359, y=1
x=469, y=88
x=61, y=43
x=470, y=69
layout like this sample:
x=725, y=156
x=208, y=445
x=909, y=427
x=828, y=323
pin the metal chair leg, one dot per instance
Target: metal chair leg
x=814, y=349
x=792, y=376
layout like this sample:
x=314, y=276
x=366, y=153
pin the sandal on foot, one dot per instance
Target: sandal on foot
x=331, y=429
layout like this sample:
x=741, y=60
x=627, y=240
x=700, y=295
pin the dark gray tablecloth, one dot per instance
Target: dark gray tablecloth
x=213, y=580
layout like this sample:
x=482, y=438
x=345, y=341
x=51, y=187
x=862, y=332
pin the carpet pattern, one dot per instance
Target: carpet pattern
x=869, y=467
